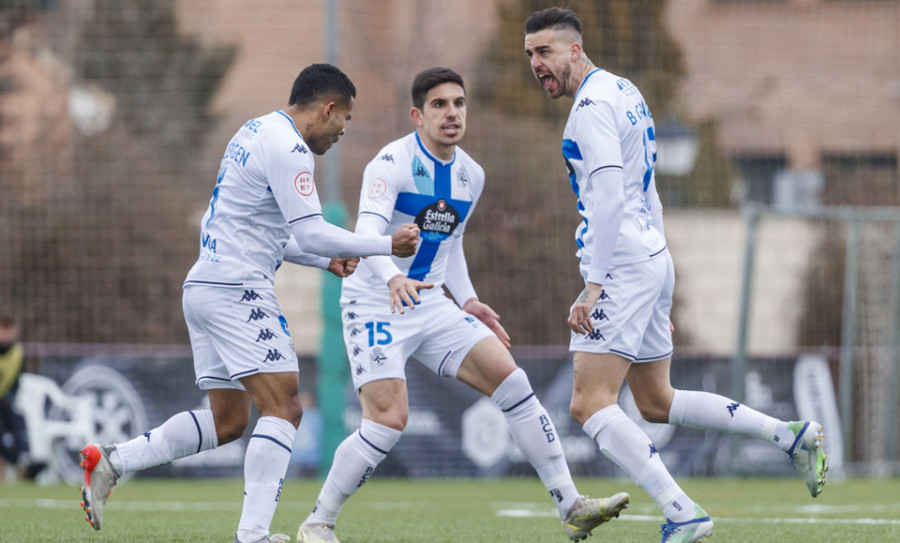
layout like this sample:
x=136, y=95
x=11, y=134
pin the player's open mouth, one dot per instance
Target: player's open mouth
x=547, y=80
x=450, y=129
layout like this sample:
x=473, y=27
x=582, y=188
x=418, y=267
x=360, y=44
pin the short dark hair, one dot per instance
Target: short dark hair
x=555, y=18
x=431, y=78
x=321, y=81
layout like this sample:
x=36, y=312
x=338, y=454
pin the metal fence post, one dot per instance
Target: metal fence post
x=848, y=331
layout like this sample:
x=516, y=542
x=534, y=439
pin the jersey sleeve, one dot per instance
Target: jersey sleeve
x=597, y=134
x=293, y=254
x=379, y=190
x=377, y=197
x=291, y=181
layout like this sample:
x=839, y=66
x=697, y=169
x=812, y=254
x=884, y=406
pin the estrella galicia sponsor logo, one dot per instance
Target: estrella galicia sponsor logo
x=265, y=335
x=599, y=315
x=250, y=296
x=584, y=103
x=257, y=314
x=273, y=355
x=437, y=221
x=596, y=335
x=732, y=408
x=299, y=149
x=377, y=357
x=387, y=157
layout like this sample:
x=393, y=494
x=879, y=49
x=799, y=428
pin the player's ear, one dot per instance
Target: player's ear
x=416, y=115
x=575, y=51
x=329, y=110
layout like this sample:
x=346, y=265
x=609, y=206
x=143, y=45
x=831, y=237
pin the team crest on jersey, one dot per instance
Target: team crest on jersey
x=377, y=188
x=304, y=183
x=377, y=357
x=437, y=221
x=462, y=177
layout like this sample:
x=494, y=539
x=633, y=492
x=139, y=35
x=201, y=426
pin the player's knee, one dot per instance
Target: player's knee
x=653, y=410
x=231, y=427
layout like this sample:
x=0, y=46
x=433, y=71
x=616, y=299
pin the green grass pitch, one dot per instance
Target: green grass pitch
x=455, y=511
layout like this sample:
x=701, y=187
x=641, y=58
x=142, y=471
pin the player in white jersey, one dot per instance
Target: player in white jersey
x=620, y=321
x=264, y=209
x=425, y=177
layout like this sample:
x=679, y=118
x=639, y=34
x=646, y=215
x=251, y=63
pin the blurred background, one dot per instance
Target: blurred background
x=778, y=124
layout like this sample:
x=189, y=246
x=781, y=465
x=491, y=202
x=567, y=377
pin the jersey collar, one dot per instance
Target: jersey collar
x=432, y=157
x=592, y=72
x=288, y=117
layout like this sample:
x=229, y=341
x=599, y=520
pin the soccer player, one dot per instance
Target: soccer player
x=264, y=209
x=620, y=321
x=425, y=177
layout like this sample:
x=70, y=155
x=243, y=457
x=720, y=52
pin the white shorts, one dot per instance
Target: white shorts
x=437, y=333
x=235, y=333
x=631, y=318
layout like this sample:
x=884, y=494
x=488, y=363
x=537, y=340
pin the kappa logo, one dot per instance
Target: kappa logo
x=732, y=408
x=250, y=296
x=599, y=315
x=596, y=335
x=360, y=370
x=584, y=103
x=653, y=450
x=257, y=314
x=265, y=335
x=356, y=350
x=420, y=171
x=556, y=495
x=604, y=295
x=355, y=331
x=351, y=316
x=298, y=149
x=273, y=355
x=387, y=157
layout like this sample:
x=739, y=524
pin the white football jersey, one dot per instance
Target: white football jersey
x=610, y=128
x=406, y=184
x=265, y=184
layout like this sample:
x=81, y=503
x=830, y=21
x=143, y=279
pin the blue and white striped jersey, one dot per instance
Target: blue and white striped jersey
x=265, y=190
x=405, y=183
x=610, y=131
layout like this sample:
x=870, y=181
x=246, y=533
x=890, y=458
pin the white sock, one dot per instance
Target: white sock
x=709, y=411
x=534, y=433
x=265, y=465
x=184, y=434
x=354, y=461
x=623, y=442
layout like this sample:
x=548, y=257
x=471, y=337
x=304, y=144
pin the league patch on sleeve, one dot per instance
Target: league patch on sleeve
x=377, y=188
x=304, y=184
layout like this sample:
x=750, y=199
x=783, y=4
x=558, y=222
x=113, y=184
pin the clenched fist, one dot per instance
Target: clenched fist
x=404, y=240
